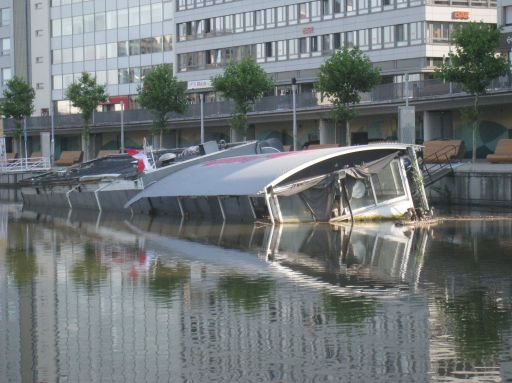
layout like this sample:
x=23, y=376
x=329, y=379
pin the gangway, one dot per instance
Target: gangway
x=437, y=166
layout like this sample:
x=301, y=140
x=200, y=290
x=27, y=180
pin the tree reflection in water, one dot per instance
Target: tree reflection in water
x=164, y=280
x=21, y=259
x=89, y=273
x=479, y=320
x=244, y=292
x=349, y=310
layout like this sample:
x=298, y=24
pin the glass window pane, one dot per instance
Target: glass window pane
x=145, y=14
x=78, y=54
x=67, y=26
x=56, y=28
x=134, y=16
x=88, y=23
x=134, y=47
x=112, y=20
x=156, y=13
x=388, y=183
x=101, y=51
x=89, y=52
x=100, y=21
x=361, y=195
x=122, y=18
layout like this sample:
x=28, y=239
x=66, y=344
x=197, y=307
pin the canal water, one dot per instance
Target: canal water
x=104, y=298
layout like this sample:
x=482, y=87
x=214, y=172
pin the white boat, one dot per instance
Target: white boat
x=344, y=183
x=108, y=183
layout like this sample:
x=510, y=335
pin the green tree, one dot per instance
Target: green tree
x=342, y=77
x=244, y=83
x=161, y=93
x=18, y=103
x=474, y=64
x=89, y=272
x=86, y=95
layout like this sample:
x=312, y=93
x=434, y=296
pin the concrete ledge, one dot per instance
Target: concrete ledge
x=480, y=183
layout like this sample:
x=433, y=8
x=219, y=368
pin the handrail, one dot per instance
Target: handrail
x=25, y=164
x=436, y=163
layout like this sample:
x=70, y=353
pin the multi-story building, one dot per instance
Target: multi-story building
x=118, y=41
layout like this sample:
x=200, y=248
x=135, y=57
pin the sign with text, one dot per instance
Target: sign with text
x=199, y=84
x=460, y=15
x=308, y=30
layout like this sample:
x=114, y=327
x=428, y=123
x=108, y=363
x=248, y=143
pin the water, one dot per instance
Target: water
x=87, y=298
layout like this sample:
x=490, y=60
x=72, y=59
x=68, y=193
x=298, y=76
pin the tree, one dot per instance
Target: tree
x=86, y=95
x=18, y=103
x=244, y=83
x=342, y=77
x=161, y=93
x=474, y=64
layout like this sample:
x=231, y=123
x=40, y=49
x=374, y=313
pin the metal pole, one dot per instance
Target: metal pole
x=25, y=138
x=406, y=89
x=201, y=100
x=52, y=138
x=294, y=88
x=122, y=126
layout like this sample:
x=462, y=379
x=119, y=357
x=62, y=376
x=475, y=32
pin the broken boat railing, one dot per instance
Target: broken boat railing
x=24, y=164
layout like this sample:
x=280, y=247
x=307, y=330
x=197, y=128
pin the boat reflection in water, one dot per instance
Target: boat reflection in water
x=141, y=299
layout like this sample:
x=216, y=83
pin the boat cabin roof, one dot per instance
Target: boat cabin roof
x=251, y=175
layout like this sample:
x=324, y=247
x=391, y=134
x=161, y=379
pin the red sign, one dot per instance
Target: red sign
x=308, y=30
x=460, y=15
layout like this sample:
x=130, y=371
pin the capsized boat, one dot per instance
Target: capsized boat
x=108, y=183
x=335, y=184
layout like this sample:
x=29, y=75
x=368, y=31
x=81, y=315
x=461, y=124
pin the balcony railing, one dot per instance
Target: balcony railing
x=381, y=94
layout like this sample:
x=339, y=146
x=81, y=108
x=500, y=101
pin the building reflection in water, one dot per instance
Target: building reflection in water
x=105, y=298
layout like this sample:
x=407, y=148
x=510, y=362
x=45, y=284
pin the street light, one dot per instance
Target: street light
x=122, y=126
x=201, y=100
x=294, y=89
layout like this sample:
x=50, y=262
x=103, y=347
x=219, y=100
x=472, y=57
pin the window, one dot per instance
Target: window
x=89, y=52
x=326, y=43
x=389, y=36
x=281, y=50
x=415, y=32
x=388, y=183
x=292, y=14
x=350, y=39
x=260, y=19
x=270, y=18
x=88, y=23
x=134, y=47
x=56, y=28
x=316, y=10
x=111, y=20
x=167, y=43
x=293, y=48
x=6, y=75
x=281, y=16
x=112, y=77
x=134, y=75
x=67, y=26
x=337, y=6
x=156, y=13
x=376, y=38
x=327, y=7
x=249, y=21
x=122, y=18
x=57, y=82
x=57, y=56
x=67, y=55
x=101, y=77
x=6, y=46
x=145, y=14
x=313, y=43
x=111, y=50
x=5, y=16
x=363, y=39
x=133, y=16
x=101, y=51
x=100, y=21
x=303, y=45
x=123, y=76
x=401, y=35
x=78, y=54
x=122, y=49
x=507, y=12
x=78, y=25
x=167, y=10
x=304, y=12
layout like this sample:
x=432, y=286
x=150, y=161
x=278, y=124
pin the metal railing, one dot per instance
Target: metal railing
x=25, y=164
x=381, y=94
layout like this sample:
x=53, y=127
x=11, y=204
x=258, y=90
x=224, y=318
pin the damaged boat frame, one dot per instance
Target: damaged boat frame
x=376, y=181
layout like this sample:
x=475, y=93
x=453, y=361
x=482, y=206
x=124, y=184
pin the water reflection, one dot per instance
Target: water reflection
x=119, y=298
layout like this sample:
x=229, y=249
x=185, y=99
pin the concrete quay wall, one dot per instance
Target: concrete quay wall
x=478, y=184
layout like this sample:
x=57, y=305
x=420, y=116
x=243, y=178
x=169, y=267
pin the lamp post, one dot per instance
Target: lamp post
x=201, y=100
x=122, y=126
x=25, y=138
x=294, y=89
x=52, y=138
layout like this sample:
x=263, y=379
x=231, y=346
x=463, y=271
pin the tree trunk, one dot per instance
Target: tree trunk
x=347, y=132
x=86, y=142
x=475, y=127
x=161, y=139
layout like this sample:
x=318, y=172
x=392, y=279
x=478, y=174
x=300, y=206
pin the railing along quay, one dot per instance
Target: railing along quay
x=381, y=94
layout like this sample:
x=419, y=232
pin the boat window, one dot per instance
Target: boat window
x=362, y=195
x=293, y=208
x=388, y=183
